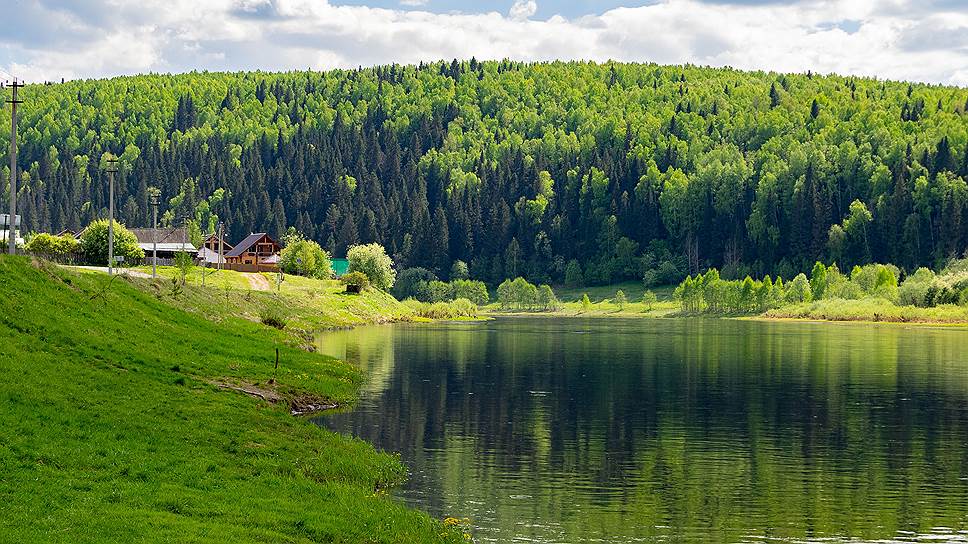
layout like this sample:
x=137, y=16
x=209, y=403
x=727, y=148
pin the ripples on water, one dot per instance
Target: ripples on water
x=619, y=431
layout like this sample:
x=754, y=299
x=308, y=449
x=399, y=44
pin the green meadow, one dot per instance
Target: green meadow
x=117, y=424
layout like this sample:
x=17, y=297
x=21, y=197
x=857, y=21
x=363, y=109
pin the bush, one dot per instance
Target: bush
x=913, y=291
x=649, y=300
x=438, y=291
x=305, y=258
x=273, y=317
x=94, y=243
x=372, y=260
x=442, y=310
x=357, y=279
x=620, y=300
x=184, y=264
x=48, y=244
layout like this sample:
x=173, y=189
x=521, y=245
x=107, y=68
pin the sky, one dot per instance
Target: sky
x=47, y=40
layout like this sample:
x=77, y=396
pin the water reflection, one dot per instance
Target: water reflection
x=671, y=430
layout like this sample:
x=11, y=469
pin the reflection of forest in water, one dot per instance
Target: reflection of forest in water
x=572, y=430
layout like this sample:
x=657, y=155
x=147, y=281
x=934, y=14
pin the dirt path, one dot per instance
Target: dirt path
x=257, y=281
x=119, y=271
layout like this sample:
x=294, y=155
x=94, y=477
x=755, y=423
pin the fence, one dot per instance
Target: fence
x=240, y=267
x=78, y=259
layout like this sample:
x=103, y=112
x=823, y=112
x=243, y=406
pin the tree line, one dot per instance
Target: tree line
x=710, y=293
x=576, y=172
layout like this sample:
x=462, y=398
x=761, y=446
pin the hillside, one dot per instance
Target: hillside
x=111, y=406
x=523, y=168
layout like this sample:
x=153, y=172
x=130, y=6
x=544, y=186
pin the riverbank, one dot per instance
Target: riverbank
x=871, y=310
x=115, y=422
x=603, y=304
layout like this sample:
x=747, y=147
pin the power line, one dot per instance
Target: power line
x=9, y=75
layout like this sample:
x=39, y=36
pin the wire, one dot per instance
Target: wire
x=11, y=76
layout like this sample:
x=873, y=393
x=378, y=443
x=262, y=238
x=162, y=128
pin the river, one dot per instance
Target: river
x=671, y=430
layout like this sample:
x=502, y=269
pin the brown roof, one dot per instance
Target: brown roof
x=214, y=236
x=161, y=236
x=249, y=241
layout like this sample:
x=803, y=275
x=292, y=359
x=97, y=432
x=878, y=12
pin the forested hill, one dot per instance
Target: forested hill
x=521, y=168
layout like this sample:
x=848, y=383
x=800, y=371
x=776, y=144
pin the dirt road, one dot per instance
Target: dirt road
x=257, y=282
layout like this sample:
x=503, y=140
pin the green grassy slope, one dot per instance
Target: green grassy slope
x=309, y=305
x=111, y=429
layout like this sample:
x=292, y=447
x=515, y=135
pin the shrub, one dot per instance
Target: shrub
x=649, y=300
x=586, y=303
x=357, y=279
x=184, y=264
x=913, y=291
x=305, y=258
x=442, y=310
x=438, y=291
x=273, y=317
x=885, y=285
x=372, y=260
x=94, y=243
x=620, y=300
x=48, y=244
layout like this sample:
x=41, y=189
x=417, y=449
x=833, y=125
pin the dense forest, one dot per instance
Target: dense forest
x=597, y=172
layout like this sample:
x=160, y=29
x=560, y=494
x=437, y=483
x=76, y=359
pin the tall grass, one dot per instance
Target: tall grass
x=460, y=308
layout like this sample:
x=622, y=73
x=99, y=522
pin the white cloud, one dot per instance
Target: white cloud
x=883, y=38
x=413, y=3
x=523, y=9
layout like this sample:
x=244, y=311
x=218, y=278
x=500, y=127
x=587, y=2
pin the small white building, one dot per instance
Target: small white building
x=207, y=255
x=5, y=229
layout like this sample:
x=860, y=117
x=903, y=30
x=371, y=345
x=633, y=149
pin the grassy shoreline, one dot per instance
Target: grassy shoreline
x=113, y=425
x=867, y=310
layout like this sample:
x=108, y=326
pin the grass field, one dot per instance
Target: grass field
x=308, y=305
x=113, y=429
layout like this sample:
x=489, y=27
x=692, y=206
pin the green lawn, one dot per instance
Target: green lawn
x=310, y=305
x=212, y=277
x=111, y=428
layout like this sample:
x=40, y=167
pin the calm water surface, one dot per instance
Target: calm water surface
x=565, y=430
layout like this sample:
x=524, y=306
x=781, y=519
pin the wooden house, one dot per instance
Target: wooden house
x=212, y=242
x=257, y=248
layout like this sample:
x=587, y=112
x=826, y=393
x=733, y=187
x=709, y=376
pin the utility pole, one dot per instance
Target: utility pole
x=112, y=169
x=154, y=236
x=12, y=227
x=221, y=245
